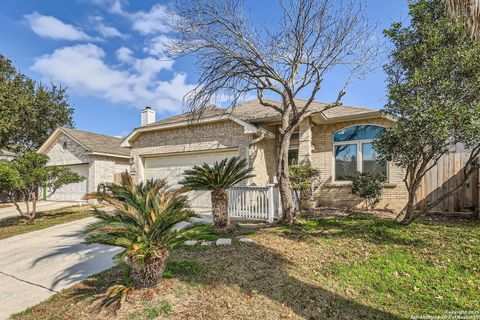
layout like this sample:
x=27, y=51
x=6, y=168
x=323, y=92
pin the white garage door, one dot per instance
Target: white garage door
x=73, y=191
x=171, y=168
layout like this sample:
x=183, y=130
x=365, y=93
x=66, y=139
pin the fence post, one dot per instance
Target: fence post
x=271, y=203
x=478, y=192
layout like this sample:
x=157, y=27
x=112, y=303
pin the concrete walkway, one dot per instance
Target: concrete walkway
x=36, y=265
x=11, y=211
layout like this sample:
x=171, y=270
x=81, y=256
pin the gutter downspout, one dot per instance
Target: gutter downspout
x=254, y=141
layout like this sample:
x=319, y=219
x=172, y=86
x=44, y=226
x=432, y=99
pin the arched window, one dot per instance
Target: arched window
x=353, y=151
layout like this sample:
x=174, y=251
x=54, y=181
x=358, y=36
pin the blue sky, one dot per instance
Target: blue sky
x=110, y=55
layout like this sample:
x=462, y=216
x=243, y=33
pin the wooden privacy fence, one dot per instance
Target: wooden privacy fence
x=446, y=176
x=254, y=202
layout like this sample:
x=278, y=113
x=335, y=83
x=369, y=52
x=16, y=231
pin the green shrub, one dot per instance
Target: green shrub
x=302, y=177
x=369, y=187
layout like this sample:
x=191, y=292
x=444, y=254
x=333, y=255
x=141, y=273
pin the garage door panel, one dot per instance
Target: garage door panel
x=73, y=191
x=171, y=169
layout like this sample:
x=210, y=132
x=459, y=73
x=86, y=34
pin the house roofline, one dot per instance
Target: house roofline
x=364, y=115
x=58, y=131
x=248, y=127
x=54, y=135
x=106, y=154
x=319, y=114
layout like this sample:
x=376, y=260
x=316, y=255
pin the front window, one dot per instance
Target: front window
x=293, y=149
x=345, y=161
x=353, y=151
x=292, y=157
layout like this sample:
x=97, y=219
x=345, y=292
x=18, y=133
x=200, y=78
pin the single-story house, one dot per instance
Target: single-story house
x=336, y=141
x=96, y=156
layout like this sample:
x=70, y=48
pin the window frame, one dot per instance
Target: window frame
x=358, y=144
x=64, y=146
x=294, y=145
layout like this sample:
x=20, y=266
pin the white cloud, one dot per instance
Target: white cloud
x=82, y=68
x=158, y=19
x=124, y=55
x=158, y=46
x=104, y=30
x=51, y=27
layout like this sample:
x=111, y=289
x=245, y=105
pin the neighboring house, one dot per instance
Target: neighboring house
x=336, y=141
x=97, y=157
x=7, y=155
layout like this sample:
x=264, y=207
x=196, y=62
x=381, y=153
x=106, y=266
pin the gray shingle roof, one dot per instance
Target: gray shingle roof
x=210, y=111
x=252, y=111
x=96, y=142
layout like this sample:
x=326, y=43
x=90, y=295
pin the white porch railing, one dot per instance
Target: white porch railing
x=254, y=202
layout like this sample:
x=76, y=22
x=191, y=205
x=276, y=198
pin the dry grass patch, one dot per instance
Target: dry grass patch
x=13, y=226
x=329, y=268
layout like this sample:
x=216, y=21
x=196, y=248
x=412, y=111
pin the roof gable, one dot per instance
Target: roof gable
x=92, y=142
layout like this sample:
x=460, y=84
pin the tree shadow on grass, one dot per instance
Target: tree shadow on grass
x=260, y=270
x=374, y=230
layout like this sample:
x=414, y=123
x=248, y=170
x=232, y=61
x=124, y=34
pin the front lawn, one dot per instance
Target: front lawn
x=330, y=268
x=13, y=226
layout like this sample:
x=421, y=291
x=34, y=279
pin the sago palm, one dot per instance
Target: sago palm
x=142, y=222
x=218, y=178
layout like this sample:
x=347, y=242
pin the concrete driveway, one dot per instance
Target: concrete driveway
x=11, y=211
x=36, y=265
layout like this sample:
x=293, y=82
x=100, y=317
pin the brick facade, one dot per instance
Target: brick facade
x=263, y=159
x=330, y=193
x=315, y=145
x=73, y=154
x=194, y=138
x=101, y=169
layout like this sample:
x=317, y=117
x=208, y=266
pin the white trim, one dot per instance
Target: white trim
x=143, y=158
x=184, y=153
x=108, y=155
x=359, y=154
x=248, y=127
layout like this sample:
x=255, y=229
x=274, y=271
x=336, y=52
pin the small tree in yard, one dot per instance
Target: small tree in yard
x=285, y=61
x=302, y=177
x=22, y=178
x=143, y=223
x=369, y=187
x=218, y=178
x=434, y=85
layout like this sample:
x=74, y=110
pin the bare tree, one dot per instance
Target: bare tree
x=467, y=12
x=284, y=61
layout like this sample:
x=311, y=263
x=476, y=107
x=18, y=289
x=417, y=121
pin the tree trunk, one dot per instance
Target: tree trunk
x=221, y=220
x=147, y=273
x=33, y=213
x=284, y=186
x=409, y=216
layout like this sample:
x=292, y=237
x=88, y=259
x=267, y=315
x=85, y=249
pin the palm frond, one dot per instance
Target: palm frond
x=143, y=218
x=220, y=175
